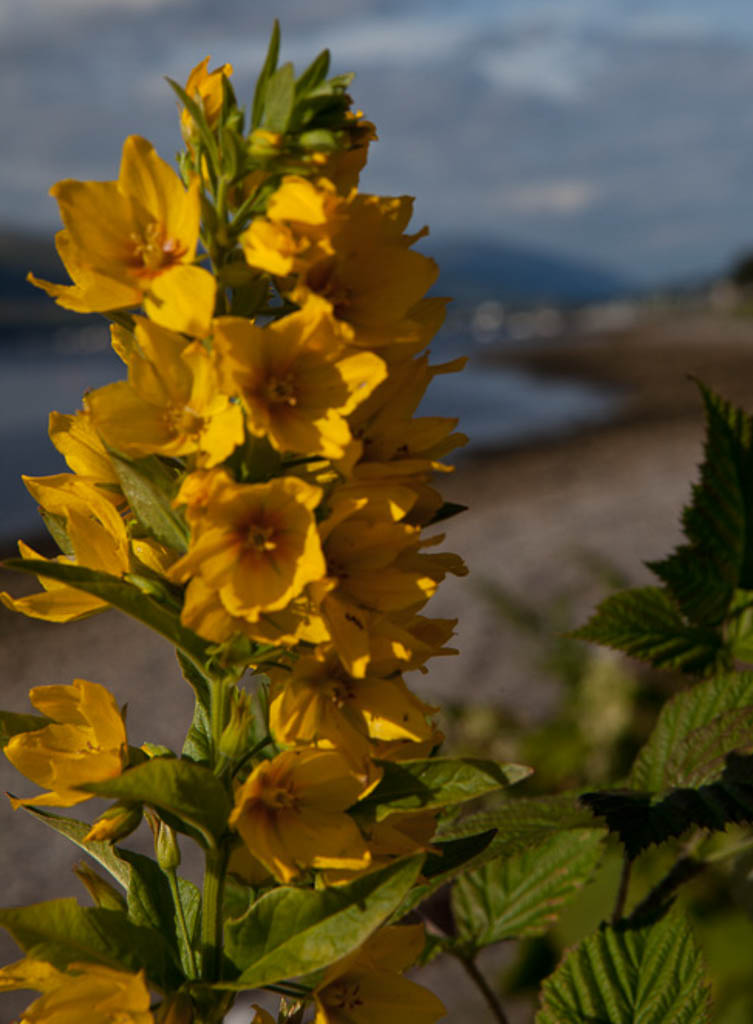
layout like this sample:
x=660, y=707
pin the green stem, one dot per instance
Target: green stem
x=484, y=988
x=211, y=912
x=619, y=907
x=188, y=944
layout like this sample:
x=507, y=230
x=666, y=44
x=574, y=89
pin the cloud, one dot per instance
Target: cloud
x=558, y=198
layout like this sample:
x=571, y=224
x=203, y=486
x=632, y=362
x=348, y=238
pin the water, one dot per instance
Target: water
x=496, y=407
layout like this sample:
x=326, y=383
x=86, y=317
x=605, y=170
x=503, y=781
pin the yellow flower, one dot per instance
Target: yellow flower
x=366, y=987
x=98, y=540
x=85, y=742
x=206, y=88
x=171, y=403
x=352, y=251
x=291, y=813
x=296, y=383
x=81, y=447
x=84, y=992
x=319, y=703
x=256, y=545
x=133, y=241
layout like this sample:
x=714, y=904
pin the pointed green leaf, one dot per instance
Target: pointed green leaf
x=437, y=782
x=198, y=742
x=196, y=112
x=280, y=99
x=290, y=932
x=268, y=69
x=682, y=715
x=11, y=724
x=188, y=791
x=449, y=859
x=645, y=623
x=652, y=974
x=314, y=74
x=123, y=595
x=150, y=900
x=521, y=895
x=704, y=755
x=62, y=932
x=150, y=487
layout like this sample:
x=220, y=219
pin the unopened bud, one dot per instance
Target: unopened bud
x=166, y=846
x=116, y=823
x=235, y=738
x=100, y=890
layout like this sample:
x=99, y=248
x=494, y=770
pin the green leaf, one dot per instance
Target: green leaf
x=703, y=756
x=446, y=511
x=150, y=487
x=630, y=975
x=682, y=715
x=61, y=932
x=196, y=112
x=290, y=932
x=437, y=782
x=268, y=69
x=150, y=900
x=450, y=858
x=524, y=822
x=198, y=743
x=11, y=724
x=314, y=74
x=123, y=595
x=645, y=623
x=703, y=574
x=186, y=790
x=280, y=99
x=521, y=895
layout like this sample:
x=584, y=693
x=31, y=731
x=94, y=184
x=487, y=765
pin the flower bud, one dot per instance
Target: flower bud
x=235, y=738
x=100, y=890
x=166, y=846
x=116, y=823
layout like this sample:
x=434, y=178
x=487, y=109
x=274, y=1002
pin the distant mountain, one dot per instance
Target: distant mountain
x=472, y=270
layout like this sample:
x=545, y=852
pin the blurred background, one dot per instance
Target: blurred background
x=586, y=168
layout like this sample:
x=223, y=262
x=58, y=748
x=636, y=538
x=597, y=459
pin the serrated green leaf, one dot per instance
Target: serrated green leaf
x=268, y=69
x=702, y=757
x=682, y=715
x=123, y=595
x=524, y=822
x=188, y=791
x=645, y=623
x=436, y=782
x=519, y=896
x=150, y=487
x=61, y=932
x=11, y=724
x=280, y=99
x=290, y=931
x=652, y=974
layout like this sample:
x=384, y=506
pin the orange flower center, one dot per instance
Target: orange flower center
x=279, y=797
x=153, y=251
x=261, y=538
x=344, y=995
x=281, y=390
x=183, y=422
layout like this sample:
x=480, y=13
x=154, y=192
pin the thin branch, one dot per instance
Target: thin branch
x=619, y=907
x=484, y=988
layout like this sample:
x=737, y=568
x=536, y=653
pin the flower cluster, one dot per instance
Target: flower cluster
x=260, y=490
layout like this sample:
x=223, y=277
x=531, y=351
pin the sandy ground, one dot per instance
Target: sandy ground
x=615, y=492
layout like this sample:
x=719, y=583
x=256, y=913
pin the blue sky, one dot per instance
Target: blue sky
x=614, y=131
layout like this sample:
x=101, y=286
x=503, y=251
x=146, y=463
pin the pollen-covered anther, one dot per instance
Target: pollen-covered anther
x=261, y=538
x=153, y=251
x=281, y=390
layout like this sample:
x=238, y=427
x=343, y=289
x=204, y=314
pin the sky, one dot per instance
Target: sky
x=617, y=132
